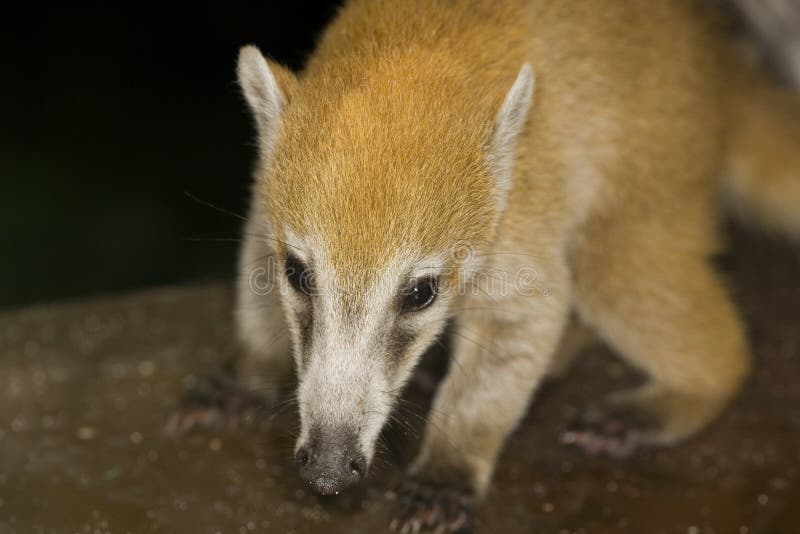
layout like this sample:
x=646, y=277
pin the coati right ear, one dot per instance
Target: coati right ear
x=267, y=88
x=510, y=123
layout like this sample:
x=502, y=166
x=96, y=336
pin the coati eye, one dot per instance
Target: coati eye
x=420, y=295
x=299, y=275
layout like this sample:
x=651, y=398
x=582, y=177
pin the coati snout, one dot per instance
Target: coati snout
x=330, y=460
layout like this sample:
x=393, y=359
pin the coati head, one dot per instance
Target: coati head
x=374, y=179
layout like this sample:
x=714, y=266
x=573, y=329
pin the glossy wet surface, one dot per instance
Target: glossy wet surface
x=85, y=389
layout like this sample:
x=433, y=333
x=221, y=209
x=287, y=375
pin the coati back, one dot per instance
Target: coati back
x=576, y=151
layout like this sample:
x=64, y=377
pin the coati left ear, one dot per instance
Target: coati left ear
x=267, y=87
x=509, y=124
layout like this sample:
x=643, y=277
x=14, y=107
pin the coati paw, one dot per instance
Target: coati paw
x=217, y=404
x=617, y=429
x=426, y=507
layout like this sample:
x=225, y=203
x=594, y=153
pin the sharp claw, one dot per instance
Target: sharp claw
x=430, y=518
x=460, y=522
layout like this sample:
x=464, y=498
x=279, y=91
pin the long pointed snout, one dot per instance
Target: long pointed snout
x=330, y=460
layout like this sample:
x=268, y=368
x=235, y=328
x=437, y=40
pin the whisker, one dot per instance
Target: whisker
x=236, y=215
x=214, y=207
x=213, y=239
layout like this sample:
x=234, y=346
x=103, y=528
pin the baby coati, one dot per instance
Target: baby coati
x=540, y=174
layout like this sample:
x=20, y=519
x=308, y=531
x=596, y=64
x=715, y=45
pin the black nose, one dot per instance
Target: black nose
x=330, y=462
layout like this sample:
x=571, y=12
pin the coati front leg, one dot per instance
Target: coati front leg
x=245, y=393
x=499, y=358
x=658, y=303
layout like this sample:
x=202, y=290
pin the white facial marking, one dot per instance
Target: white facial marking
x=350, y=376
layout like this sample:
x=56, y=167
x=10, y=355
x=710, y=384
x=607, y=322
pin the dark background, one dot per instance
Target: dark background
x=109, y=116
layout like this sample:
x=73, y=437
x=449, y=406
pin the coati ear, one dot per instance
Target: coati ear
x=509, y=123
x=267, y=88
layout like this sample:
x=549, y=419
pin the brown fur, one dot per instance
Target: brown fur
x=639, y=107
